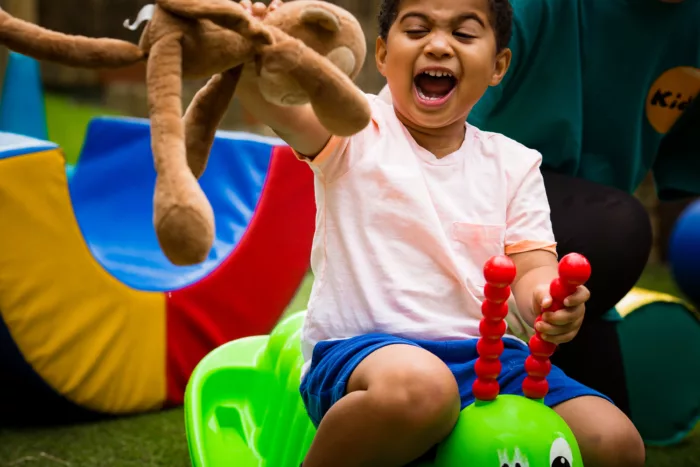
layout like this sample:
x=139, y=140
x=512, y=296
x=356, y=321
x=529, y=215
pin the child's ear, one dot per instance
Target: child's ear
x=380, y=55
x=502, y=64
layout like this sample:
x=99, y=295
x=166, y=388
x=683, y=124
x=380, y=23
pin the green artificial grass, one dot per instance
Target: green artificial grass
x=158, y=439
x=67, y=122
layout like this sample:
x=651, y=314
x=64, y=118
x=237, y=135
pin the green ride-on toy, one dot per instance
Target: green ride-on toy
x=243, y=407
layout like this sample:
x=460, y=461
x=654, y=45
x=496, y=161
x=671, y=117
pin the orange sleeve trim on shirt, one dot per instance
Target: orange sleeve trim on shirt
x=530, y=245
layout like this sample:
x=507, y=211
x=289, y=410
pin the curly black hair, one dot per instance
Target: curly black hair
x=501, y=18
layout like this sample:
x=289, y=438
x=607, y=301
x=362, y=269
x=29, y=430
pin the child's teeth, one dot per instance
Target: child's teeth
x=424, y=97
x=437, y=74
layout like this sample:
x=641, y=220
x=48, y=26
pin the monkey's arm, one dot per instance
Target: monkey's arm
x=79, y=51
x=338, y=103
x=204, y=115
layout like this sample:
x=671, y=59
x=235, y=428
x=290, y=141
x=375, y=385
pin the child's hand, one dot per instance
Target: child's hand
x=259, y=9
x=562, y=325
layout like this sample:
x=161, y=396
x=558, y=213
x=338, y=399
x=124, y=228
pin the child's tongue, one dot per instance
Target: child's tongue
x=433, y=86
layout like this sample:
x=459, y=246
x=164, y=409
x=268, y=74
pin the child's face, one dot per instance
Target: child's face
x=439, y=58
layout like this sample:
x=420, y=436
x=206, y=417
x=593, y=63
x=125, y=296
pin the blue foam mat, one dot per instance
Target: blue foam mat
x=112, y=193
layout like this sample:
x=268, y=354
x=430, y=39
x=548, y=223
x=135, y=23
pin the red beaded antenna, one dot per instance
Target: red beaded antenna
x=499, y=272
x=574, y=270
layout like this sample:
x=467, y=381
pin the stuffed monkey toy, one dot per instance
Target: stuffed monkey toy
x=305, y=51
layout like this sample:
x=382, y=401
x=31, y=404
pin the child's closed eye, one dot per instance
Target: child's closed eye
x=416, y=33
x=463, y=35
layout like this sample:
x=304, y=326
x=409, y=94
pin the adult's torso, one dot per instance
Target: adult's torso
x=596, y=84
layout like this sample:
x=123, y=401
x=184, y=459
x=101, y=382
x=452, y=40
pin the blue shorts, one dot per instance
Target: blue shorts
x=333, y=362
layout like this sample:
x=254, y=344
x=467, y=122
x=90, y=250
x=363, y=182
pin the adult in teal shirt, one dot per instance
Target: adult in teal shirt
x=598, y=86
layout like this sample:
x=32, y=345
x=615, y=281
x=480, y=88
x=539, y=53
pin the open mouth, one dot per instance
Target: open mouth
x=434, y=87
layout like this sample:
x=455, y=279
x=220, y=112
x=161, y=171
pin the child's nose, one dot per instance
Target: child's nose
x=439, y=47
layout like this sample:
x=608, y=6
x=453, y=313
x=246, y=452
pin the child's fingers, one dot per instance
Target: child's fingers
x=247, y=4
x=564, y=316
x=554, y=333
x=259, y=9
x=541, y=298
x=274, y=5
x=560, y=338
x=581, y=295
x=554, y=329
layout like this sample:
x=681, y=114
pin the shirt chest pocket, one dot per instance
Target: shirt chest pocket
x=475, y=244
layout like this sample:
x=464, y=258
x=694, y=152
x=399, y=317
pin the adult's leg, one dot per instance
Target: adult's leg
x=612, y=229
x=400, y=401
x=607, y=438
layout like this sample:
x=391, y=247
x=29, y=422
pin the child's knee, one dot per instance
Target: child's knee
x=606, y=436
x=422, y=398
x=619, y=446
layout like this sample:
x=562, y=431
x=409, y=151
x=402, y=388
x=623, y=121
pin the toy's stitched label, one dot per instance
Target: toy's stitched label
x=145, y=14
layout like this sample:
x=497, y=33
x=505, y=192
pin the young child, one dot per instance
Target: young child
x=409, y=210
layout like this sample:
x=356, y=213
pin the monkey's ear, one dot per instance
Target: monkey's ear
x=321, y=17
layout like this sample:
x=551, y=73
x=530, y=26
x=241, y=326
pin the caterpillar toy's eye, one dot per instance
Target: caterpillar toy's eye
x=560, y=454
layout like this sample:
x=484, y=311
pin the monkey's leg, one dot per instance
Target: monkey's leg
x=182, y=215
x=338, y=103
x=225, y=13
x=204, y=115
x=79, y=51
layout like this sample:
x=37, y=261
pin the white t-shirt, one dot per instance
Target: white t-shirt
x=402, y=237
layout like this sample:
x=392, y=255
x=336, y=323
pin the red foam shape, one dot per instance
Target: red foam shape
x=247, y=294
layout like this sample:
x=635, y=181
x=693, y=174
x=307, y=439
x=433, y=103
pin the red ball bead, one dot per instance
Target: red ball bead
x=487, y=368
x=539, y=347
x=538, y=366
x=494, y=311
x=492, y=329
x=499, y=270
x=574, y=269
x=496, y=294
x=489, y=348
x=559, y=291
x=485, y=390
x=535, y=388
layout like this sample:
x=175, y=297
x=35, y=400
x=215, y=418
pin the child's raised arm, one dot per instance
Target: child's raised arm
x=296, y=125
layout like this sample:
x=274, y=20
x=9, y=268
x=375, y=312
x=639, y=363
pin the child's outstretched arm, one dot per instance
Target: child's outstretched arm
x=296, y=125
x=535, y=271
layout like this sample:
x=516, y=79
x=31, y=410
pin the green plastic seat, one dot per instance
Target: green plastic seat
x=242, y=403
x=243, y=409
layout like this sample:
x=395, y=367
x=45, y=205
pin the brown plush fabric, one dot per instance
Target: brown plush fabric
x=204, y=115
x=308, y=51
x=42, y=44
